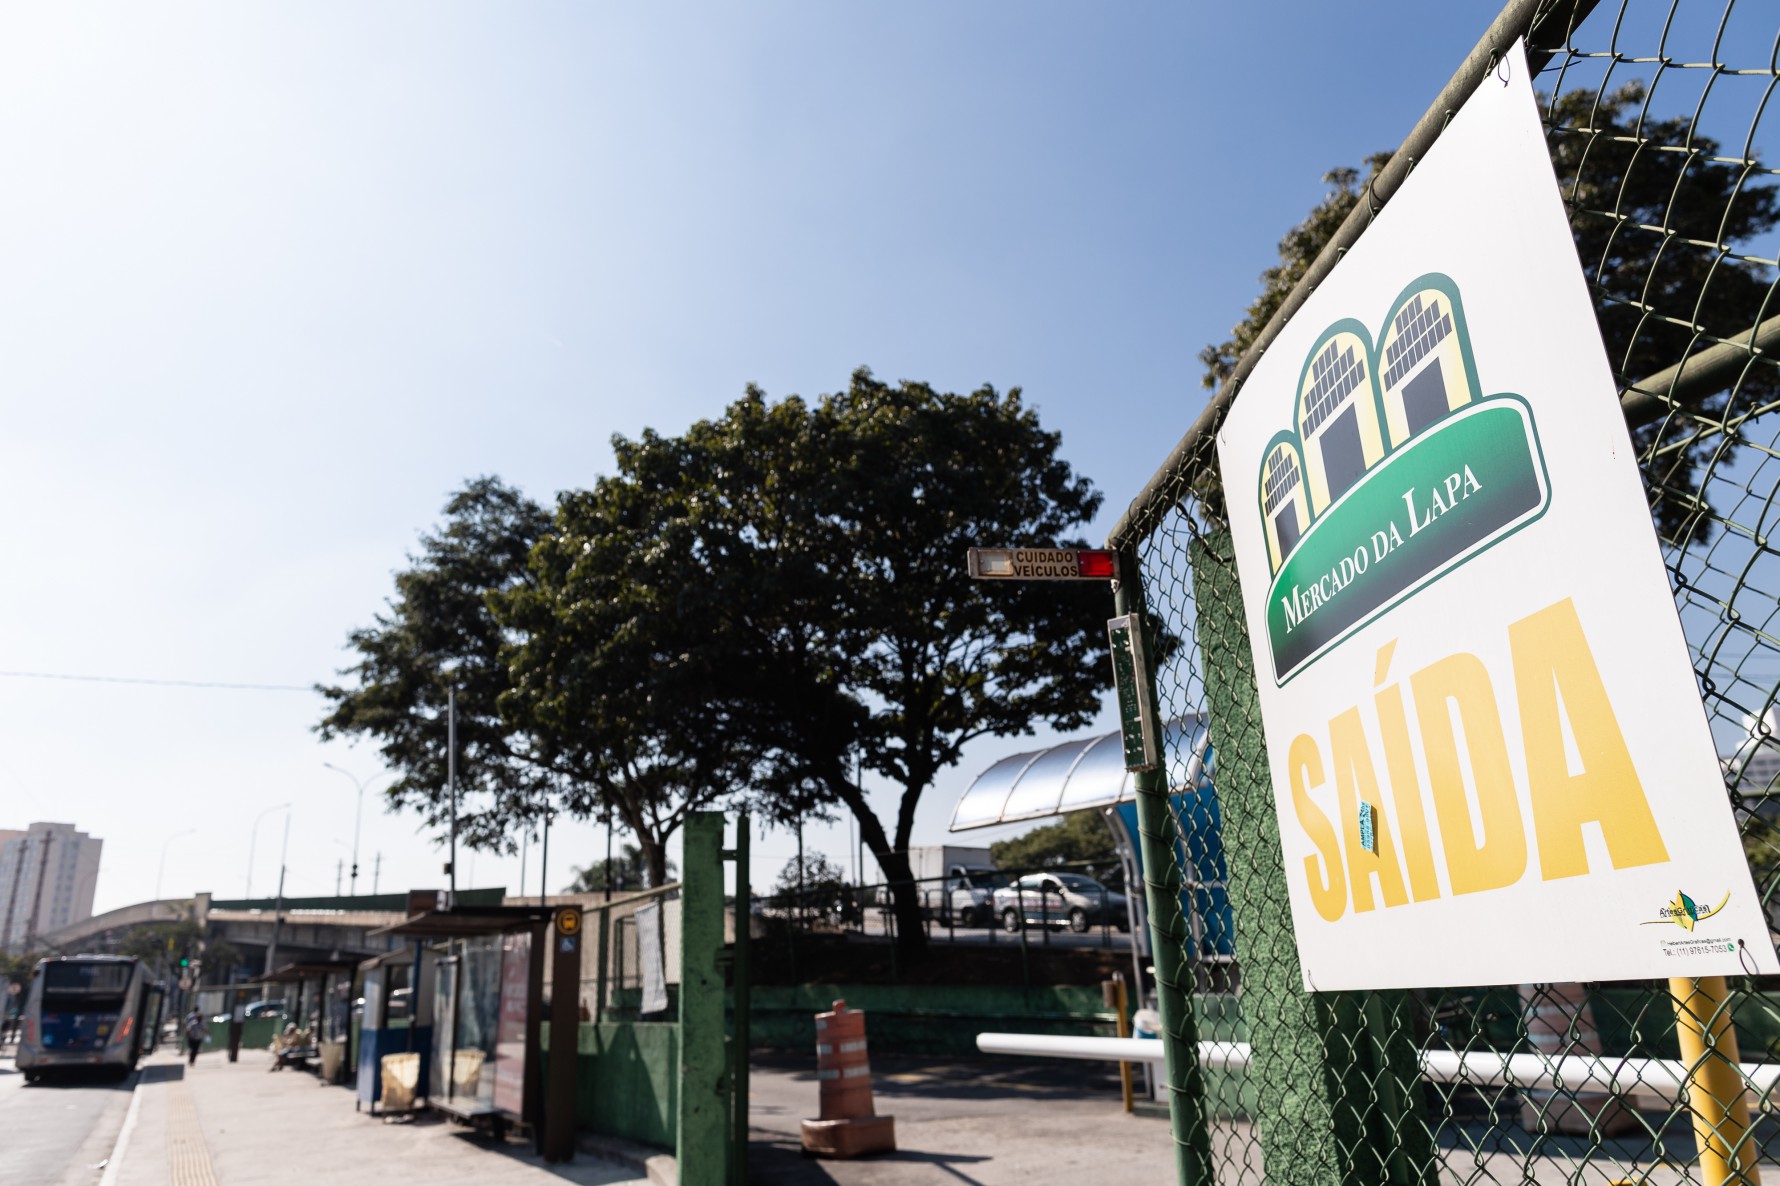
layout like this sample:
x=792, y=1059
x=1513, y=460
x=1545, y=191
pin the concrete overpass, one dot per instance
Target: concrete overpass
x=310, y=928
x=71, y=938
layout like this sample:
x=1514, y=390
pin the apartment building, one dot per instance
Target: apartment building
x=48, y=874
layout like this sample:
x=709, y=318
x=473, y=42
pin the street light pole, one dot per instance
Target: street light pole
x=358, y=817
x=253, y=839
x=163, y=866
x=278, y=906
x=451, y=781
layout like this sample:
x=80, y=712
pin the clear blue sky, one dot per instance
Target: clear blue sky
x=276, y=277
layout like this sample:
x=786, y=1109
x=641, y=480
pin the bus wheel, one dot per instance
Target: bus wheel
x=33, y=1076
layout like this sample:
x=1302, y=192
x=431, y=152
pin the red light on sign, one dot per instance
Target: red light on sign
x=1097, y=563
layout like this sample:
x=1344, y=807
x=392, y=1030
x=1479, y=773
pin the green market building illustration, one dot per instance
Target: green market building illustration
x=1396, y=470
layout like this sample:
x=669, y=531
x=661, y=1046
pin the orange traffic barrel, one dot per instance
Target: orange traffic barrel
x=849, y=1125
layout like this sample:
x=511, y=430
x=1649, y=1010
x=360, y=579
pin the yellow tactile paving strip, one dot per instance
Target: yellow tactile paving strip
x=188, y=1157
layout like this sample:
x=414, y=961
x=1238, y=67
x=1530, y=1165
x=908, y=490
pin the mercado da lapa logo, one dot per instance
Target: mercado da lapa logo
x=1397, y=471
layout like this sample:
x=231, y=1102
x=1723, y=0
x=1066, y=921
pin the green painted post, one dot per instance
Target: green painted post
x=702, y=1147
x=744, y=1004
x=1337, y=1099
x=1169, y=942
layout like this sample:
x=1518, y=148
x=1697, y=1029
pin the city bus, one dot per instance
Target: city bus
x=88, y=1011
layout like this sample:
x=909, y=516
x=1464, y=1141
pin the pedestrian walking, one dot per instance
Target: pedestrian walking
x=196, y=1030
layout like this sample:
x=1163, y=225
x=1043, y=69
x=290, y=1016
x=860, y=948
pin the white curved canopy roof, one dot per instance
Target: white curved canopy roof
x=1073, y=776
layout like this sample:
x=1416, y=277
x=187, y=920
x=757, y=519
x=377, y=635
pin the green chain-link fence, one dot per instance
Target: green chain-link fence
x=1655, y=114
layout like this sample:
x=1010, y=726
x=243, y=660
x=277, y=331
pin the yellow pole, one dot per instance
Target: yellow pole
x=1715, y=1087
x=1114, y=992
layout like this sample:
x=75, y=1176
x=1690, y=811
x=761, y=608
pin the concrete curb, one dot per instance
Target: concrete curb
x=660, y=1168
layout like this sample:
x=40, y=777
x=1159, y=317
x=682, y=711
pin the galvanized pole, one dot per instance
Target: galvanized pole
x=451, y=779
x=278, y=906
x=544, y=862
x=1185, y=1079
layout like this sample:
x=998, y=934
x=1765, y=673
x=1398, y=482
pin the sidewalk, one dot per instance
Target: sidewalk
x=233, y=1124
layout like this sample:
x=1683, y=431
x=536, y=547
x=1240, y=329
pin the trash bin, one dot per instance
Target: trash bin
x=401, y=1083
x=333, y=1061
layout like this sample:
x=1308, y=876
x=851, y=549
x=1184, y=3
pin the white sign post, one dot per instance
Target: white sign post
x=1489, y=756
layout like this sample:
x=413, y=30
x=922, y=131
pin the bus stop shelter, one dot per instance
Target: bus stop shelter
x=490, y=965
x=323, y=1006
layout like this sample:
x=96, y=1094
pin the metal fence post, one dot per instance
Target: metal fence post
x=742, y=969
x=1168, y=941
x=1337, y=1099
x=703, y=1143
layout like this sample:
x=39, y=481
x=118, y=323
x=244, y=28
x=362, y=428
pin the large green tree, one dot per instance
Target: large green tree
x=610, y=676
x=809, y=598
x=437, y=633
x=1654, y=205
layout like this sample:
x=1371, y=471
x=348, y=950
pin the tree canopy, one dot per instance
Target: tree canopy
x=1079, y=839
x=1649, y=226
x=626, y=871
x=810, y=579
x=750, y=611
x=440, y=633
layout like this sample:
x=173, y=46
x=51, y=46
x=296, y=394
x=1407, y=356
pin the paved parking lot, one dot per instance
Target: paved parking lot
x=978, y=1122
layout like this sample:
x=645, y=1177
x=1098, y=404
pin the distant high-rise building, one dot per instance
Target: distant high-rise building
x=48, y=874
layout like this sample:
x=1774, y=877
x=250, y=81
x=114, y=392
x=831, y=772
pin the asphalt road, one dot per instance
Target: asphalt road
x=58, y=1133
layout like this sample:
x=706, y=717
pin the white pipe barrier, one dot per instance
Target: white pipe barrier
x=1655, y=1079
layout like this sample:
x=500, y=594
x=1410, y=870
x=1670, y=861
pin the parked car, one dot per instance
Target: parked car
x=255, y=1009
x=1050, y=899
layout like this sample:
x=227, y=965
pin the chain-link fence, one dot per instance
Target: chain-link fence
x=1655, y=113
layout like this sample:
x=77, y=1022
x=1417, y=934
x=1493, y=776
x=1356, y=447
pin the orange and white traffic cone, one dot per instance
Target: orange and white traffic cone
x=849, y=1127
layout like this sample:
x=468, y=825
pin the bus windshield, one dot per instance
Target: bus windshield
x=85, y=986
x=86, y=976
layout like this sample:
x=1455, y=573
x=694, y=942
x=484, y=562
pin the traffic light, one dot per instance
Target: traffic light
x=184, y=962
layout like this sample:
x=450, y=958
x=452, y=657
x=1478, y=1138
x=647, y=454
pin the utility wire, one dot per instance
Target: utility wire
x=158, y=683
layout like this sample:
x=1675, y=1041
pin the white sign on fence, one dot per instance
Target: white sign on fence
x=651, y=956
x=1489, y=756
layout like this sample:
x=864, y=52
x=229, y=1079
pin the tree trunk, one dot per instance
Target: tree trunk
x=905, y=896
x=655, y=858
x=905, y=901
